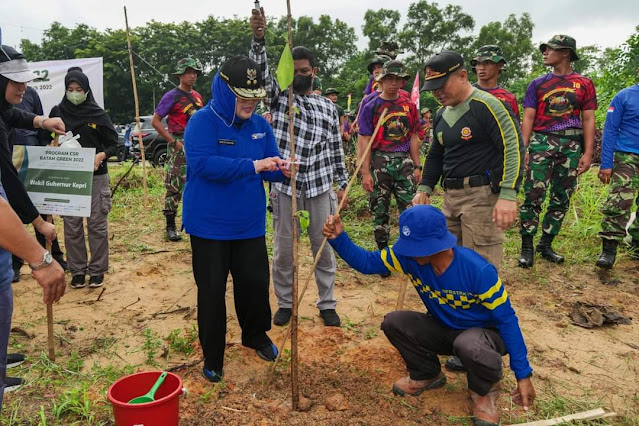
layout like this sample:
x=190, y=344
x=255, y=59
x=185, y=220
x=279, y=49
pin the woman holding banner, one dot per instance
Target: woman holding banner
x=84, y=117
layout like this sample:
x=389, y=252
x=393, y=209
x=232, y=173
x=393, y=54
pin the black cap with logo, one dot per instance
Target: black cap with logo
x=244, y=78
x=439, y=67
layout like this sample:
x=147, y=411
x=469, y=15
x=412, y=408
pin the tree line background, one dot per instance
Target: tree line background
x=428, y=28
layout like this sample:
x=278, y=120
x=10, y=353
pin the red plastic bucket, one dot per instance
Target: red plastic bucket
x=164, y=411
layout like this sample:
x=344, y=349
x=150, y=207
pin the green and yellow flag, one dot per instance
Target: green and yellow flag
x=285, y=69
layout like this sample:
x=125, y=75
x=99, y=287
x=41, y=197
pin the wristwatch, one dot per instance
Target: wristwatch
x=47, y=260
x=418, y=167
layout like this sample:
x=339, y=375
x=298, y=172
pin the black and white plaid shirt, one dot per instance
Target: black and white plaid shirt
x=318, y=145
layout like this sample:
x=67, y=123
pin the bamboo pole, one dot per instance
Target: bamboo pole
x=137, y=109
x=402, y=295
x=295, y=394
x=319, y=251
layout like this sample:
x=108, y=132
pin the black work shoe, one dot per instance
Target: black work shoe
x=330, y=317
x=16, y=276
x=13, y=360
x=454, y=364
x=172, y=234
x=282, y=316
x=267, y=353
x=608, y=254
x=78, y=281
x=212, y=375
x=545, y=249
x=12, y=383
x=96, y=281
x=527, y=258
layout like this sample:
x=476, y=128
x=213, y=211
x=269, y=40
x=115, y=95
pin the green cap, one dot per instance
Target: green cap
x=377, y=60
x=331, y=91
x=425, y=110
x=389, y=48
x=185, y=63
x=562, y=41
x=317, y=83
x=490, y=52
x=393, y=67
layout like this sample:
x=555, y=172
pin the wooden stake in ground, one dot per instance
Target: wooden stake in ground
x=402, y=295
x=298, y=300
x=295, y=393
x=50, y=337
x=137, y=108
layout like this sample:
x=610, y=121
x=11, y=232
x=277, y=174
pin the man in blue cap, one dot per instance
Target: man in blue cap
x=469, y=312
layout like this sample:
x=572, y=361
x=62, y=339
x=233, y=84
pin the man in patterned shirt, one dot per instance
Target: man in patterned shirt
x=318, y=151
x=179, y=104
x=559, y=131
x=488, y=64
x=392, y=166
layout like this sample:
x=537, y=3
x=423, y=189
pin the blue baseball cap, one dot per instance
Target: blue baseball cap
x=423, y=232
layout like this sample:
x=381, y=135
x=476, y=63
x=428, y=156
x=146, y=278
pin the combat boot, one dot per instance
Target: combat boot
x=485, y=408
x=527, y=258
x=171, y=233
x=545, y=249
x=608, y=254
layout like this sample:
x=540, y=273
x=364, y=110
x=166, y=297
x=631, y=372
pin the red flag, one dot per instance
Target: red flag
x=414, y=94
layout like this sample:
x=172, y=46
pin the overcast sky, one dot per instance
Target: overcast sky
x=606, y=23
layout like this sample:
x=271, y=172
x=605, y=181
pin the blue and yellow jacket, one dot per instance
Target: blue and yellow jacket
x=468, y=294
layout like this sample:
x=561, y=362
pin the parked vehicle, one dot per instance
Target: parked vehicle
x=154, y=144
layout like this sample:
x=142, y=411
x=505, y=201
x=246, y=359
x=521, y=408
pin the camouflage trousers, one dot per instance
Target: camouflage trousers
x=392, y=174
x=552, y=164
x=624, y=187
x=174, y=178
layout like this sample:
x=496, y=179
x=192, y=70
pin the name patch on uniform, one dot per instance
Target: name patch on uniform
x=226, y=142
x=258, y=135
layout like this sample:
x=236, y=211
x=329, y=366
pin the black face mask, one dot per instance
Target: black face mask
x=302, y=83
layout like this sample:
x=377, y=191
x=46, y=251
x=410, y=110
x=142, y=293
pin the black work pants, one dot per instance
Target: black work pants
x=56, y=251
x=419, y=338
x=247, y=260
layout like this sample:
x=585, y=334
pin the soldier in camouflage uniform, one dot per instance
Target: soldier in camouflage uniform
x=559, y=108
x=620, y=168
x=179, y=104
x=394, y=167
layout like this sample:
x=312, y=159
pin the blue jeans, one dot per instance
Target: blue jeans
x=6, y=311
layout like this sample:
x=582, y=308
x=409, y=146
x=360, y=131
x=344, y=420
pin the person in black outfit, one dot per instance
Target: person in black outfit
x=37, y=137
x=84, y=117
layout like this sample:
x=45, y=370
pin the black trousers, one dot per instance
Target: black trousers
x=419, y=338
x=247, y=260
x=56, y=251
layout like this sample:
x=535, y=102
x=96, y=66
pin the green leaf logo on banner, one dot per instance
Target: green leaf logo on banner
x=285, y=68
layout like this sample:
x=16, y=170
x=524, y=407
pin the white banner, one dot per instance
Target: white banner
x=58, y=180
x=50, y=85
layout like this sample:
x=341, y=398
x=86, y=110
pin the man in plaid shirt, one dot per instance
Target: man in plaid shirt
x=318, y=151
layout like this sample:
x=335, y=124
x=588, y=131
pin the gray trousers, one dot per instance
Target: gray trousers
x=319, y=208
x=97, y=227
x=6, y=310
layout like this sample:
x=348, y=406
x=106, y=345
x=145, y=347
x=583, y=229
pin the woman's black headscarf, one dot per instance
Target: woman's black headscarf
x=88, y=111
x=8, y=53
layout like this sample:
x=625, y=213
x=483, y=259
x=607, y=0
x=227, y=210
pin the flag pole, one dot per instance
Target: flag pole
x=137, y=109
x=295, y=395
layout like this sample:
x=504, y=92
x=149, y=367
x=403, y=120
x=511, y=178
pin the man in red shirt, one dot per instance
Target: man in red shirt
x=179, y=104
x=488, y=64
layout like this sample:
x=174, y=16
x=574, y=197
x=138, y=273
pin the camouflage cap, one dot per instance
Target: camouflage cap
x=490, y=52
x=377, y=60
x=331, y=91
x=425, y=110
x=317, y=83
x=389, y=48
x=185, y=63
x=393, y=67
x=562, y=41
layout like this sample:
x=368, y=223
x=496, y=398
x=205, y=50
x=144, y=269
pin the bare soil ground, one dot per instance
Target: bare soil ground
x=346, y=372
